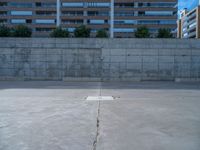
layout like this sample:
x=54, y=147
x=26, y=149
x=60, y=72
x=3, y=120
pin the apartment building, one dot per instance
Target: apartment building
x=189, y=23
x=120, y=18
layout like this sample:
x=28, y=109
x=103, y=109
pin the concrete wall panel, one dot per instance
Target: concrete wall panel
x=108, y=59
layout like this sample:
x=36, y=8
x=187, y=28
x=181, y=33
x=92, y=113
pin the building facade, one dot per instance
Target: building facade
x=120, y=18
x=189, y=23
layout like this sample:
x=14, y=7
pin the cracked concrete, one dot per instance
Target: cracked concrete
x=55, y=116
x=97, y=126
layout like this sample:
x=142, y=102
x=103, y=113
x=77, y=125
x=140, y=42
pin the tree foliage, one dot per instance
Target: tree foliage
x=59, y=32
x=142, y=32
x=164, y=33
x=82, y=31
x=21, y=31
x=101, y=34
x=4, y=31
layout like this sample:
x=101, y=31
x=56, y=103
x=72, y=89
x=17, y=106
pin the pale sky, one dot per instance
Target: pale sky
x=187, y=4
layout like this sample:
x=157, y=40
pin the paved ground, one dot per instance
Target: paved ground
x=55, y=116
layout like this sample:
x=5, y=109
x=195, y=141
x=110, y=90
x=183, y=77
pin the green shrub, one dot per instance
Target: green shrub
x=142, y=32
x=21, y=31
x=82, y=31
x=101, y=34
x=164, y=33
x=59, y=32
x=4, y=31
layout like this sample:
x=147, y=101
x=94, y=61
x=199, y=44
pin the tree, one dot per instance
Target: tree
x=101, y=34
x=59, y=32
x=4, y=31
x=82, y=31
x=142, y=32
x=22, y=31
x=164, y=33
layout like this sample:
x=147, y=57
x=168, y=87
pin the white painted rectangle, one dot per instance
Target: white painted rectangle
x=99, y=98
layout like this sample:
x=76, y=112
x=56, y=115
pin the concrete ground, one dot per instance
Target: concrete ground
x=56, y=116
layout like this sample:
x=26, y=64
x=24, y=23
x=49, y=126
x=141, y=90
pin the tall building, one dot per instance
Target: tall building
x=189, y=23
x=120, y=18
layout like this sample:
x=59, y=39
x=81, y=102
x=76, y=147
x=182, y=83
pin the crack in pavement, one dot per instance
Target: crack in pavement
x=97, y=126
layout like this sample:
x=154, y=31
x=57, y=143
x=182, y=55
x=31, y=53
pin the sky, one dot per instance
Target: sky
x=187, y=4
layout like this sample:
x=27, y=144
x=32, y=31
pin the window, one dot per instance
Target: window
x=18, y=21
x=3, y=20
x=46, y=13
x=192, y=25
x=72, y=21
x=158, y=13
x=71, y=29
x=125, y=21
x=97, y=13
x=3, y=4
x=21, y=13
x=39, y=4
x=28, y=21
x=44, y=29
x=72, y=13
x=124, y=30
x=96, y=21
x=157, y=4
x=124, y=13
x=124, y=5
x=3, y=13
x=157, y=22
x=45, y=21
x=71, y=4
x=15, y=4
x=95, y=4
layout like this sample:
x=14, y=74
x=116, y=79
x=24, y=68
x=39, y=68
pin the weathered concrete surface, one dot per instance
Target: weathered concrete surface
x=52, y=116
x=55, y=116
x=151, y=117
x=96, y=59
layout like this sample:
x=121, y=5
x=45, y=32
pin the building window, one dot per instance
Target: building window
x=157, y=22
x=124, y=5
x=70, y=4
x=124, y=30
x=96, y=21
x=44, y=29
x=21, y=13
x=125, y=21
x=124, y=13
x=72, y=13
x=46, y=13
x=157, y=4
x=26, y=5
x=3, y=4
x=39, y=4
x=28, y=21
x=3, y=13
x=72, y=21
x=158, y=13
x=18, y=21
x=45, y=21
x=97, y=13
x=95, y=4
x=3, y=20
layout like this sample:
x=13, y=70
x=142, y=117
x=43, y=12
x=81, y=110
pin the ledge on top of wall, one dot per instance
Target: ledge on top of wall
x=99, y=43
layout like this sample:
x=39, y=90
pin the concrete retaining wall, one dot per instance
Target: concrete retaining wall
x=96, y=59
